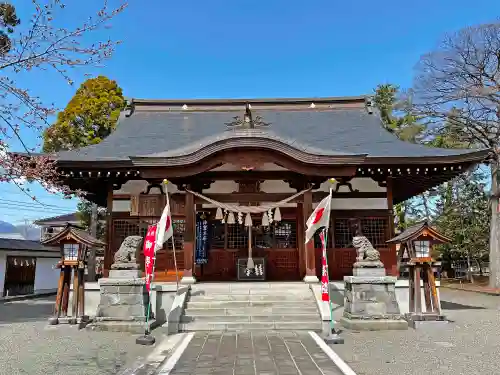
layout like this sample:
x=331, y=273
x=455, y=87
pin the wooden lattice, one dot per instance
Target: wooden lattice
x=376, y=230
x=342, y=237
x=217, y=234
x=237, y=236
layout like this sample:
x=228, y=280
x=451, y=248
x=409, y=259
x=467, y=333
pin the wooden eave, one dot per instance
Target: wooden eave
x=424, y=229
x=73, y=233
x=474, y=156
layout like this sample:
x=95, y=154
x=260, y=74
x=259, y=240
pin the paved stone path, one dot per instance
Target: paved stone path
x=253, y=353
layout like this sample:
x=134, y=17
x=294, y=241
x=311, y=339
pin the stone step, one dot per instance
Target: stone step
x=249, y=326
x=249, y=286
x=252, y=310
x=251, y=297
x=201, y=304
x=251, y=318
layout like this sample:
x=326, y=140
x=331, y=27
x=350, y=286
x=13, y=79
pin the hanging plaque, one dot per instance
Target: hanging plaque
x=201, y=256
x=254, y=274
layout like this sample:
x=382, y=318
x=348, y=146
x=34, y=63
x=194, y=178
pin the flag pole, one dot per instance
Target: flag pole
x=147, y=338
x=333, y=337
x=173, y=240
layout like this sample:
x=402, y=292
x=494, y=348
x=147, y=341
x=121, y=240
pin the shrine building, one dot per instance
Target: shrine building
x=252, y=153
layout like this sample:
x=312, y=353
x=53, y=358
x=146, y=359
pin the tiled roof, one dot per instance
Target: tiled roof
x=79, y=234
x=16, y=244
x=63, y=219
x=166, y=129
x=415, y=230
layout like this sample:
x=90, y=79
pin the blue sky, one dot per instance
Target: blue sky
x=273, y=48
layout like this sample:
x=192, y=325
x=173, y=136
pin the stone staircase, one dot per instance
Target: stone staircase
x=250, y=306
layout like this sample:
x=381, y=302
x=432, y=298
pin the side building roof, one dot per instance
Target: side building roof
x=58, y=220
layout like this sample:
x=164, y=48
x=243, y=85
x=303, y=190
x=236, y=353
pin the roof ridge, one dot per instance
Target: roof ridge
x=243, y=101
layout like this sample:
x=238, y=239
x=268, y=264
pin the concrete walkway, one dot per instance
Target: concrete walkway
x=250, y=353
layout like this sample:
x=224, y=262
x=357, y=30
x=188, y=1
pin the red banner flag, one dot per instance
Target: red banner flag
x=149, y=255
x=324, y=270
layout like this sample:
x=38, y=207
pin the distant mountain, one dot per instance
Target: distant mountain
x=7, y=230
x=7, y=227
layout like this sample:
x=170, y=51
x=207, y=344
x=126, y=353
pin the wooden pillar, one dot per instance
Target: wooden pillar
x=309, y=247
x=301, y=247
x=60, y=288
x=189, y=238
x=65, y=293
x=81, y=294
x=390, y=228
x=76, y=289
x=108, y=251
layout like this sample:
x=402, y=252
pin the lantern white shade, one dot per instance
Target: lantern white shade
x=422, y=248
x=71, y=251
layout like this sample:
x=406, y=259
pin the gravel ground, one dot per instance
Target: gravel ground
x=469, y=346
x=29, y=346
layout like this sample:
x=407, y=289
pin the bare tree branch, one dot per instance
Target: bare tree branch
x=41, y=46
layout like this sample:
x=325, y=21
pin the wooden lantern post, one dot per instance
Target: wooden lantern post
x=417, y=241
x=73, y=243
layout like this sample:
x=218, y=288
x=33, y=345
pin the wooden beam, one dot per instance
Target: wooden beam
x=309, y=247
x=390, y=229
x=237, y=197
x=108, y=252
x=248, y=175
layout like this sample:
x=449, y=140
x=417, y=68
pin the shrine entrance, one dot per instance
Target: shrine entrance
x=274, y=251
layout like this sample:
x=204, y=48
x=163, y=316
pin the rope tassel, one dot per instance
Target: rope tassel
x=265, y=219
x=248, y=220
x=277, y=214
x=218, y=214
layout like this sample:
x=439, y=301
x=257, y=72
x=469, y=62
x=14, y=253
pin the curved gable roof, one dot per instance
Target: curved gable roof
x=334, y=127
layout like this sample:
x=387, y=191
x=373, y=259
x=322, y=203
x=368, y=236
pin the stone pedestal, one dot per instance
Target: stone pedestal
x=369, y=271
x=123, y=304
x=370, y=304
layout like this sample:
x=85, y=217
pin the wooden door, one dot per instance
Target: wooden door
x=19, y=276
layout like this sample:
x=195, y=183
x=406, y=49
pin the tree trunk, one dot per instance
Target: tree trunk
x=495, y=226
x=93, y=231
x=426, y=207
x=469, y=268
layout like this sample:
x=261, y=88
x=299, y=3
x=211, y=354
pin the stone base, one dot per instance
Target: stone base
x=311, y=279
x=368, y=272
x=53, y=321
x=123, y=306
x=333, y=339
x=67, y=320
x=123, y=299
x=135, y=327
x=417, y=321
x=188, y=280
x=370, y=304
x=374, y=324
x=145, y=340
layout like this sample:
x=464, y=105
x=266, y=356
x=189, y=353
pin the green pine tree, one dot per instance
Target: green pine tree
x=90, y=116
